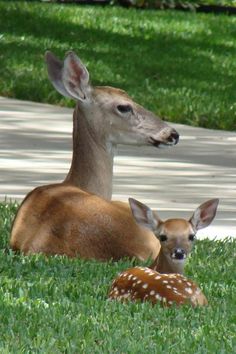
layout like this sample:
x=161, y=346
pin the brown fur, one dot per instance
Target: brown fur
x=62, y=219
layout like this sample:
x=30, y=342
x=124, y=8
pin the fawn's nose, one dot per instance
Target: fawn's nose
x=179, y=254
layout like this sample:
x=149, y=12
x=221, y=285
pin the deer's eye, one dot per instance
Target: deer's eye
x=191, y=237
x=124, y=108
x=162, y=238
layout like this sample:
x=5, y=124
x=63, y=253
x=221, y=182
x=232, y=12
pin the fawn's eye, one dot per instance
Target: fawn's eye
x=162, y=238
x=191, y=237
x=124, y=108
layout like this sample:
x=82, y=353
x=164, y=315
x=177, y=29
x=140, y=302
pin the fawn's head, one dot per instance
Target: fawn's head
x=175, y=235
x=110, y=112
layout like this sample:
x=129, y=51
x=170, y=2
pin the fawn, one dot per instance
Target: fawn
x=176, y=237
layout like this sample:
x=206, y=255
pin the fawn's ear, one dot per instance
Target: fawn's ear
x=204, y=214
x=143, y=215
x=55, y=69
x=70, y=78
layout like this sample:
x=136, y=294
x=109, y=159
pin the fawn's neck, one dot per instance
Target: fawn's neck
x=163, y=265
x=92, y=161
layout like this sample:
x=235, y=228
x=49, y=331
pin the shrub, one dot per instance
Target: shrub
x=188, y=4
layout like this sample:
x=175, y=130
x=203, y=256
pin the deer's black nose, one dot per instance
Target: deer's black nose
x=179, y=254
x=174, y=137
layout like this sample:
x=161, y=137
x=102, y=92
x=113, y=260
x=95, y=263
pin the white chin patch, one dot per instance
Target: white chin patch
x=179, y=261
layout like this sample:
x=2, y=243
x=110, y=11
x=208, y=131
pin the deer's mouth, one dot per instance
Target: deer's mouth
x=179, y=261
x=154, y=142
x=173, y=259
x=170, y=141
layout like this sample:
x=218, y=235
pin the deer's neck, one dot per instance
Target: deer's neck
x=92, y=161
x=163, y=265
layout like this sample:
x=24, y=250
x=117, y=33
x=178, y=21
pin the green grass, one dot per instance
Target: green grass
x=59, y=305
x=180, y=65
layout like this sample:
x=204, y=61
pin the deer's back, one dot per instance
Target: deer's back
x=62, y=219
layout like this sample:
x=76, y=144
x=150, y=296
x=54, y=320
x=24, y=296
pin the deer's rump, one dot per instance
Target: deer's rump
x=62, y=219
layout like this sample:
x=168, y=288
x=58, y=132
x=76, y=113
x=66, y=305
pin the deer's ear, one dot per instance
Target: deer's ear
x=143, y=215
x=55, y=70
x=75, y=78
x=204, y=214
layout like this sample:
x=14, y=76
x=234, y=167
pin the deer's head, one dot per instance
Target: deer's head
x=175, y=235
x=110, y=112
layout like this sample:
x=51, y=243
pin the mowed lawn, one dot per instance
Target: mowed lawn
x=180, y=65
x=59, y=305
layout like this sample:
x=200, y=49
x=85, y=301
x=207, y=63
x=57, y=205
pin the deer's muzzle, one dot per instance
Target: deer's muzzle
x=173, y=138
x=178, y=254
x=167, y=137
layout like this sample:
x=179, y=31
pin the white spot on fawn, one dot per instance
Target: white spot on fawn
x=177, y=293
x=189, y=290
x=158, y=297
x=141, y=268
x=145, y=286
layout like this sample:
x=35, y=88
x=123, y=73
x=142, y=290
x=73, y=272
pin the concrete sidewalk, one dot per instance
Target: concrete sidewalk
x=35, y=149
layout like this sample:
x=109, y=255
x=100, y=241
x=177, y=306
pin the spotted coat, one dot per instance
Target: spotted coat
x=144, y=284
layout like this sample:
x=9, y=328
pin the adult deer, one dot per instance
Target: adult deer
x=76, y=217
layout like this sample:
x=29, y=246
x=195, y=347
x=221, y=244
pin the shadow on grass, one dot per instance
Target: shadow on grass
x=141, y=60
